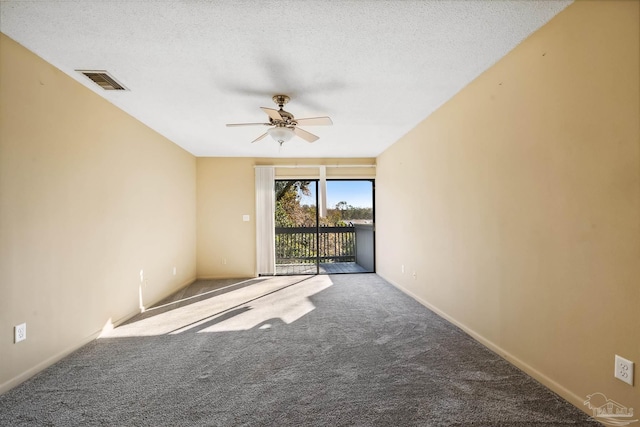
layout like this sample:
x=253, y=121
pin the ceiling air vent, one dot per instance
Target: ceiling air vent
x=102, y=79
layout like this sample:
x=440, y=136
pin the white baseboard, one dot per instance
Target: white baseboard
x=557, y=388
x=226, y=277
x=18, y=379
x=22, y=377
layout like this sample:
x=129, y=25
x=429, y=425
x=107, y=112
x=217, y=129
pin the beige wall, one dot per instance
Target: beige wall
x=88, y=198
x=226, y=243
x=517, y=204
x=226, y=192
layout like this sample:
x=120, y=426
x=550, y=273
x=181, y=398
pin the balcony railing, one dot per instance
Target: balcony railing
x=305, y=245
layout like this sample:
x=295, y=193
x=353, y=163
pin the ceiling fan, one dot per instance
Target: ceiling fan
x=284, y=125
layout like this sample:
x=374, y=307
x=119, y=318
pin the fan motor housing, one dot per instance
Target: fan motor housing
x=287, y=116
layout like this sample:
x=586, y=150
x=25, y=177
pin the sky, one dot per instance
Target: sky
x=355, y=193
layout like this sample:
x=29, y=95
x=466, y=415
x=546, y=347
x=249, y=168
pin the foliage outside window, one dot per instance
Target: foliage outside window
x=290, y=212
x=335, y=244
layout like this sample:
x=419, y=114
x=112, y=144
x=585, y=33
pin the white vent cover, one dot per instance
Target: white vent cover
x=103, y=79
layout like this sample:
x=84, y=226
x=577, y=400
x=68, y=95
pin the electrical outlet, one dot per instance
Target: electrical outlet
x=415, y=276
x=624, y=370
x=20, y=333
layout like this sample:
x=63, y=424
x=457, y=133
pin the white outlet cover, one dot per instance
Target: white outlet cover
x=624, y=370
x=245, y=218
x=20, y=332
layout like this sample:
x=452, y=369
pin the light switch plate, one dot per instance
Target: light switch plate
x=245, y=218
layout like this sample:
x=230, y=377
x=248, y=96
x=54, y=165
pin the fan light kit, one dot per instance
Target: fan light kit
x=281, y=134
x=284, y=125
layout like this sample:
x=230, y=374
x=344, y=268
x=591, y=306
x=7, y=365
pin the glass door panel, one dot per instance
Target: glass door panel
x=347, y=230
x=296, y=227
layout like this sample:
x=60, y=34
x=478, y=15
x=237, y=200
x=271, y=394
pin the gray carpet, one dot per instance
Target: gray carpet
x=286, y=351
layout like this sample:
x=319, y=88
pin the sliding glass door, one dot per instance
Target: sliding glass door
x=336, y=239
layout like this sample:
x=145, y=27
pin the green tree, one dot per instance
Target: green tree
x=284, y=188
x=289, y=211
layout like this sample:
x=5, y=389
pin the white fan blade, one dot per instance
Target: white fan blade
x=231, y=125
x=272, y=113
x=309, y=137
x=259, y=138
x=315, y=121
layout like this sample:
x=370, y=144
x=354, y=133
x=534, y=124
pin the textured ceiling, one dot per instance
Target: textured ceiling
x=377, y=68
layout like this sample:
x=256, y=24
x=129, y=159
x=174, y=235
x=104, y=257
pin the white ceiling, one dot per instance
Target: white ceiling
x=377, y=68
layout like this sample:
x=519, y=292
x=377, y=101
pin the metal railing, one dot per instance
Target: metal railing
x=305, y=245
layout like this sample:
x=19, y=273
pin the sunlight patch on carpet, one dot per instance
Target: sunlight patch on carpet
x=283, y=298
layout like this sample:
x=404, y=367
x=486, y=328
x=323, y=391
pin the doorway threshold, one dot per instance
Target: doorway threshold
x=325, y=268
